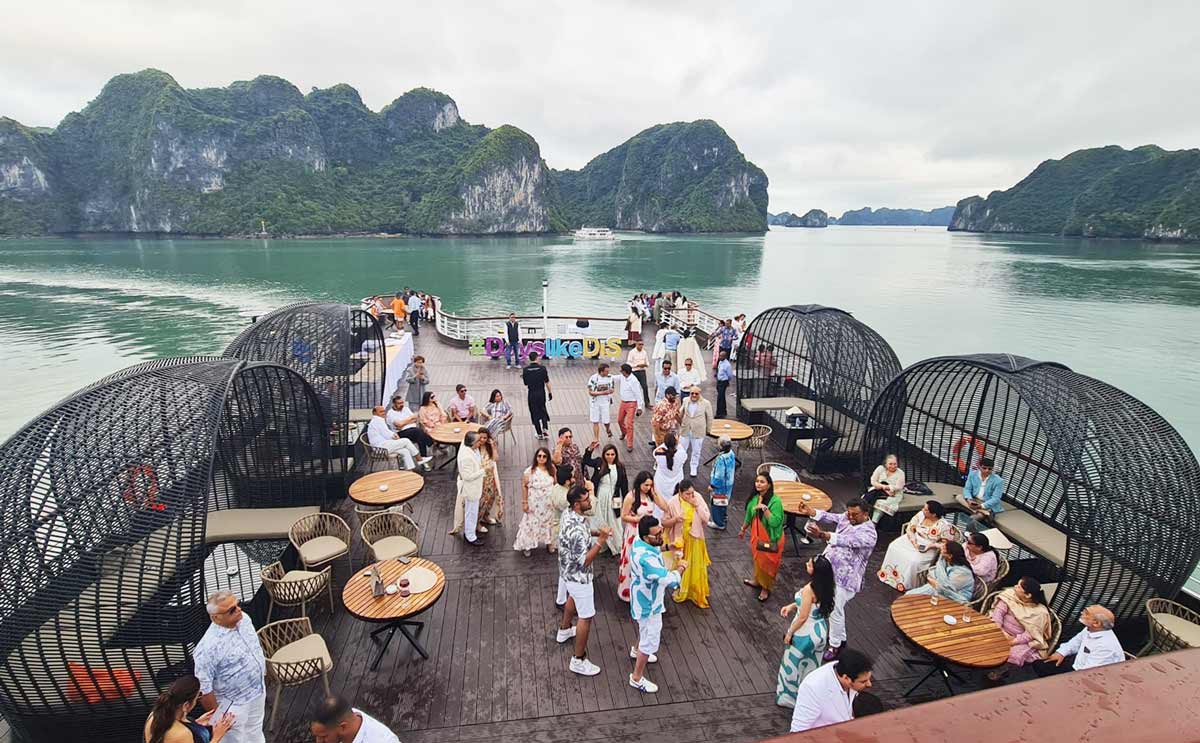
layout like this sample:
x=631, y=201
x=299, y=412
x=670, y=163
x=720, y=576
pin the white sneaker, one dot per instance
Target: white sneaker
x=424, y=460
x=584, y=667
x=506, y=366
x=644, y=685
x=712, y=524
x=652, y=658
x=566, y=634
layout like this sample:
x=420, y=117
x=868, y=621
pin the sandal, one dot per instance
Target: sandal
x=763, y=596
x=750, y=583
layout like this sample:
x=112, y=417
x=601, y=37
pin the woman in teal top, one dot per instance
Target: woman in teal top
x=808, y=632
x=951, y=577
x=764, y=521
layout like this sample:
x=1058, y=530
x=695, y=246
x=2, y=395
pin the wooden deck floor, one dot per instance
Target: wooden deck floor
x=495, y=672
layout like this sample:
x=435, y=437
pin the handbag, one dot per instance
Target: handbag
x=763, y=544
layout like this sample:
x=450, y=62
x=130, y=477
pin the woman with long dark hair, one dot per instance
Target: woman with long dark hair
x=1023, y=617
x=808, y=633
x=982, y=555
x=951, y=577
x=690, y=543
x=491, y=503
x=668, y=465
x=764, y=521
x=169, y=723
x=537, y=514
x=642, y=500
x=609, y=486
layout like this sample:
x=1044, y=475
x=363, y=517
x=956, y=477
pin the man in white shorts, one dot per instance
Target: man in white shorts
x=650, y=580
x=576, y=550
x=600, y=394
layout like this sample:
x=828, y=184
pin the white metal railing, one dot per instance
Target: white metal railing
x=691, y=317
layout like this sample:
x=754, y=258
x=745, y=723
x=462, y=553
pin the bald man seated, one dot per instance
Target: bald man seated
x=1096, y=645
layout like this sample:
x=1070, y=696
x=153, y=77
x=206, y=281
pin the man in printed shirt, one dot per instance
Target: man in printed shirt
x=649, y=581
x=848, y=551
x=230, y=665
x=576, y=551
x=666, y=417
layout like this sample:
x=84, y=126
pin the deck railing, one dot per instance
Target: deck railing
x=691, y=317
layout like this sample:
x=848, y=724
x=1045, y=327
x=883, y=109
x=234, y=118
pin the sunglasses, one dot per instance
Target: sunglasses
x=231, y=610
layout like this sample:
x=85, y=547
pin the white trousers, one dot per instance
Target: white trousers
x=249, y=725
x=688, y=444
x=837, y=620
x=470, y=519
x=406, y=451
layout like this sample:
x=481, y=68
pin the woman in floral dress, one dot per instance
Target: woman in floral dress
x=491, y=504
x=538, y=517
x=640, y=502
x=917, y=547
x=808, y=633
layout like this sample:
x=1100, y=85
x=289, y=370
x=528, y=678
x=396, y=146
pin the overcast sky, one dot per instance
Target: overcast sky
x=902, y=104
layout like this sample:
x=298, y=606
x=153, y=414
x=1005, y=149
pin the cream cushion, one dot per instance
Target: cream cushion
x=306, y=648
x=1180, y=627
x=247, y=524
x=299, y=575
x=321, y=549
x=1028, y=530
x=389, y=548
x=943, y=493
x=763, y=404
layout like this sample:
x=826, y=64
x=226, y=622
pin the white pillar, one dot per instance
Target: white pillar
x=545, y=309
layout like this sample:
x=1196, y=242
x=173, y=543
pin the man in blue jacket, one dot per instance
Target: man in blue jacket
x=983, y=493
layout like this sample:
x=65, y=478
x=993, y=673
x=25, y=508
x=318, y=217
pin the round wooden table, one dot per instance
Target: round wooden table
x=402, y=485
x=976, y=644
x=791, y=494
x=444, y=433
x=734, y=429
x=394, y=611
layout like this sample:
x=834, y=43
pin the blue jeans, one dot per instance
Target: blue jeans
x=512, y=354
x=718, y=514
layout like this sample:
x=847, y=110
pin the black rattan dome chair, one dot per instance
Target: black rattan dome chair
x=105, y=500
x=823, y=361
x=1097, y=483
x=338, y=349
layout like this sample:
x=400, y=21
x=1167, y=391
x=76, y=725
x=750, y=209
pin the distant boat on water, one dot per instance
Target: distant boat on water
x=594, y=233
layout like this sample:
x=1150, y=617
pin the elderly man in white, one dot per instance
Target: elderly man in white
x=230, y=665
x=470, y=485
x=697, y=420
x=826, y=696
x=1096, y=645
x=380, y=436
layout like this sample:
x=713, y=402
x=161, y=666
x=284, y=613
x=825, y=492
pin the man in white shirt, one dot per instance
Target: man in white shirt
x=689, y=377
x=403, y=423
x=826, y=696
x=415, y=305
x=664, y=379
x=600, y=394
x=335, y=721
x=696, y=423
x=470, y=485
x=1096, y=645
x=231, y=668
x=380, y=436
x=640, y=361
x=633, y=402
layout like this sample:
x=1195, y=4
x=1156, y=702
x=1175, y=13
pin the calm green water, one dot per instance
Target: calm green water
x=72, y=311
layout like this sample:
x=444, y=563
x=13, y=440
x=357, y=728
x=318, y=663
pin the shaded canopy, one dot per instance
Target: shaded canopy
x=819, y=354
x=338, y=349
x=1079, y=455
x=103, y=502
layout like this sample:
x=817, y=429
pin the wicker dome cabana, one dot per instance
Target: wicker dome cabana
x=1097, y=483
x=822, y=361
x=338, y=349
x=106, y=501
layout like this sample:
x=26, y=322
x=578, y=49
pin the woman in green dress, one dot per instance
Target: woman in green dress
x=808, y=632
x=764, y=521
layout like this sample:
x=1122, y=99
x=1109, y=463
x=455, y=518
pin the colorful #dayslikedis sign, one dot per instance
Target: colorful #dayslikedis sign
x=551, y=348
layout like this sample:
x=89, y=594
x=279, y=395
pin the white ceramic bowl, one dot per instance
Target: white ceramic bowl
x=383, y=488
x=805, y=496
x=231, y=570
x=728, y=426
x=949, y=619
x=458, y=430
x=392, y=590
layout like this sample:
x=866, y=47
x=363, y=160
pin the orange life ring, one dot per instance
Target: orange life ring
x=956, y=451
x=145, y=496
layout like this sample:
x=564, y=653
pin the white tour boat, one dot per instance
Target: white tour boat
x=594, y=233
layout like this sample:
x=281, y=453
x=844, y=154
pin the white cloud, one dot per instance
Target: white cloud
x=844, y=105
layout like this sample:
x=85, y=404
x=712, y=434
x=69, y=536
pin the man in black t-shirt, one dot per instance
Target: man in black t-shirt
x=537, y=380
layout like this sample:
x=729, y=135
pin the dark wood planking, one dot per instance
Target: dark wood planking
x=495, y=671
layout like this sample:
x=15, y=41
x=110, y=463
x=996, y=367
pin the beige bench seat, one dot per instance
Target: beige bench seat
x=248, y=524
x=763, y=404
x=1034, y=534
x=943, y=492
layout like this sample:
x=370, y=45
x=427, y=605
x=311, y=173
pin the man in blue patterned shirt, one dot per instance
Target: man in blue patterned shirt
x=576, y=550
x=650, y=580
x=230, y=665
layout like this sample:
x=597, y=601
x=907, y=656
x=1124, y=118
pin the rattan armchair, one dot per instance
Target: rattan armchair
x=295, y=656
x=758, y=440
x=374, y=456
x=295, y=587
x=766, y=467
x=1172, y=627
x=989, y=603
x=1002, y=568
x=320, y=538
x=389, y=535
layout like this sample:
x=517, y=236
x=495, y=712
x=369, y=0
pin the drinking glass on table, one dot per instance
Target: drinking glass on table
x=933, y=599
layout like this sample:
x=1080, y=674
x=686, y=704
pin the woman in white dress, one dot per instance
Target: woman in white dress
x=690, y=349
x=668, y=467
x=917, y=547
x=887, y=488
x=609, y=485
x=537, y=518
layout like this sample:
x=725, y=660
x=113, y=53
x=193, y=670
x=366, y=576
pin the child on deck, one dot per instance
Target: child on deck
x=721, y=482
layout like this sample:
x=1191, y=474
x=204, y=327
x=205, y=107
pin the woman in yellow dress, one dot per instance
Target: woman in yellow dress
x=690, y=540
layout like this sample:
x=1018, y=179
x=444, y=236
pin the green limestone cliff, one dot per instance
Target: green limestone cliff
x=681, y=177
x=896, y=217
x=1146, y=192
x=811, y=218
x=149, y=156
